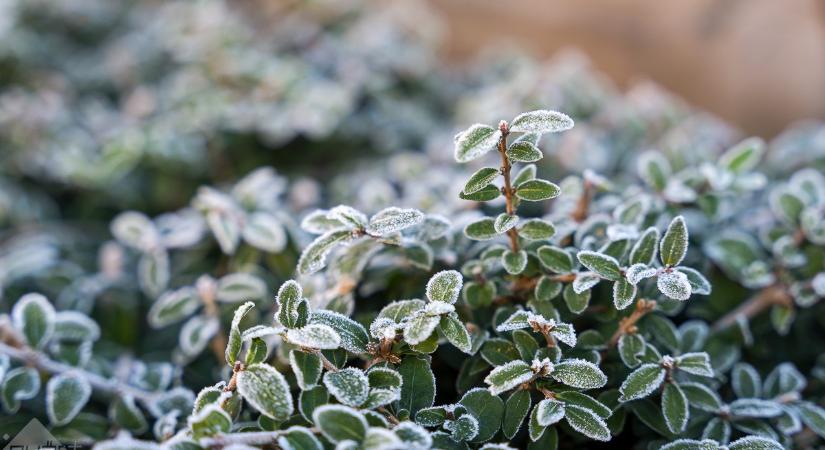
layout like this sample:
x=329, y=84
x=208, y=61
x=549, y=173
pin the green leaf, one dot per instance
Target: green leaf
x=547, y=289
x=642, y=382
x=124, y=413
x=349, y=386
x=475, y=141
x=21, y=383
x=418, y=389
x=654, y=170
x=237, y=287
x=266, y=390
x=485, y=194
x=525, y=344
x=755, y=443
x=674, y=244
x=744, y=156
x=556, y=259
x=479, y=180
x=34, y=317
x=392, y=220
x=691, y=444
x=587, y=423
x=307, y=368
x=541, y=121
x=537, y=190
x=487, y=408
x=674, y=285
x=339, y=423
x=298, y=438
x=698, y=283
x=464, y=428
x=549, y=411
x=644, y=250
x=210, y=421
x=481, y=230
x=695, y=363
x=675, y=408
x=498, y=351
x=579, y=373
x=455, y=333
x=173, y=306
x=420, y=327
x=701, y=397
x=515, y=410
x=478, y=295
x=576, y=303
x=528, y=172
x=534, y=429
x=623, y=294
x=584, y=401
x=311, y=399
x=536, y=230
x=813, y=416
x=631, y=347
x=523, y=151
x=66, y=395
x=444, y=286
x=603, y=265
x=508, y=376
x=514, y=262
x=233, y=346
x=745, y=381
x=354, y=337
x=257, y=351
x=314, y=335
x=289, y=299
x=314, y=256
x=504, y=222
x=349, y=216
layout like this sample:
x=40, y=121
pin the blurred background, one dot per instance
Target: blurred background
x=759, y=64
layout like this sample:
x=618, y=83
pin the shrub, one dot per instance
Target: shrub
x=413, y=330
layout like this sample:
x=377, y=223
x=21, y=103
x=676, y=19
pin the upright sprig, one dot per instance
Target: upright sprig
x=478, y=140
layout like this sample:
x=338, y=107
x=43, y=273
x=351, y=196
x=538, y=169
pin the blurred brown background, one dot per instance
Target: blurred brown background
x=757, y=63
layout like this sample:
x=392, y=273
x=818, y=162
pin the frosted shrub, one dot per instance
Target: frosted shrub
x=522, y=312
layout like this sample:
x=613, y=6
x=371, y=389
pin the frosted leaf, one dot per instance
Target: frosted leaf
x=579, y=373
x=603, y=265
x=266, y=390
x=537, y=190
x=293, y=438
x=642, y=382
x=564, y=332
x=504, y=222
x=384, y=328
x=516, y=321
x=124, y=441
x=646, y=247
x=481, y=230
x=536, y=229
x=818, y=284
x=654, y=169
x=33, y=316
x=587, y=422
x=523, y=152
x=464, y=428
x=234, y=343
x=674, y=284
x=154, y=272
x=475, y=142
x=66, y=394
x=349, y=386
x=259, y=188
x=74, y=326
x=260, y=331
x=288, y=299
x=438, y=308
x=349, y=216
x=549, y=411
x=420, y=327
x=623, y=294
x=755, y=443
x=238, y=287
x=480, y=179
x=691, y=444
x=744, y=156
x=315, y=254
x=638, y=272
x=314, y=336
x=755, y=407
x=319, y=222
x=196, y=334
x=354, y=337
x=135, y=230
x=585, y=281
x=340, y=423
x=698, y=283
x=675, y=408
x=674, y=244
x=379, y=438
x=514, y=262
x=541, y=121
x=226, y=227
x=173, y=306
x=434, y=226
x=400, y=310
x=392, y=220
x=413, y=435
x=542, y=366
x=620, y=232
x=263, y=231
x=508, y=376
x=456, y=332
x=445, y=286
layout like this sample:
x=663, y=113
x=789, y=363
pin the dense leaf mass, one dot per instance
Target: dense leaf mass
x=187, y=263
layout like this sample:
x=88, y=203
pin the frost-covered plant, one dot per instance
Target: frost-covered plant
x=444, y=308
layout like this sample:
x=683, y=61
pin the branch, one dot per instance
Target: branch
x=508, y=188
x=772, y=295
x=628, y=324
x=98, y=383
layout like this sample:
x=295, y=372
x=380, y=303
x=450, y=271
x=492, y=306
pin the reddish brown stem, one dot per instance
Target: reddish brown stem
x=628, y=324
x=508, y=188
x=772, y=295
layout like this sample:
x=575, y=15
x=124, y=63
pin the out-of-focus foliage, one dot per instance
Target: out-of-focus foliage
x=242, y=224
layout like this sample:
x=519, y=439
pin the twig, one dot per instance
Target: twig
x=628, y=324
x=508, y=188
x=98, y=383
x=583, y=205
x=772, y=295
